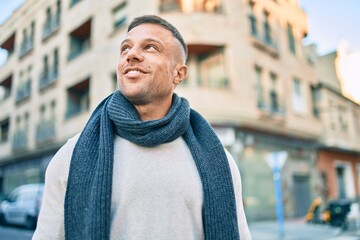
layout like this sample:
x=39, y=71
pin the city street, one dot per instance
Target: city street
x=14, y=233
x=299, y=230
x=294, y=230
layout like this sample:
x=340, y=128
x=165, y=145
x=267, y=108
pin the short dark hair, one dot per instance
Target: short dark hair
x=159, y=21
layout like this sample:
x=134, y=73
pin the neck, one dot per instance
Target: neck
x=153, y=111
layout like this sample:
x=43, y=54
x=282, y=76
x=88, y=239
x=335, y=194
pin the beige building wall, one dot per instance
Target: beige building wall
x=248, y=71
x=227, y=29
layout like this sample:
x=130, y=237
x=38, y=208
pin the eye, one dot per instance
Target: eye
x=150, y=47
x=124, y=49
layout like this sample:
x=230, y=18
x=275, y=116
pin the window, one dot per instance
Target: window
x=342, y=113
x=4, y=130
x=253, y=21
x=49, y=73
x=46, y=129
x=27, y=43
x=52, y=21
x=114, y=82
x=267, y=29
x=213, y=6
x=259, y=86
x=208, y=66
x=291, y=39
x=274, y=102
x=119, y=15
x=52, y=109
x=170, y=5
x=208, y=6
x=42, y=112
x=78, y=100
x=212, y=70
x=23, y=90
x=20, y=138
x=56, y=62
x=80, y=40
x=297, y=100
x=74, y=2
x=315, y=97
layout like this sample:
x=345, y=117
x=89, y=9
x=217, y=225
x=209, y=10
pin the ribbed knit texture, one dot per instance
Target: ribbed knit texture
x=88, y=194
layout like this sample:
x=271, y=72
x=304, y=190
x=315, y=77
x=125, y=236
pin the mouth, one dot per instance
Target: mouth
x=132, y=71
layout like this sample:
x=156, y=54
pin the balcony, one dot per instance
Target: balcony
x=9, y=45
x=45, y=131
x=48, y=78
x=80, y=40
x=5, y=88
x=23, y=91
x=195, y=6
x=78, y=99
x=74, y=2
x=26, y=46
x=263, y=40
x=51, y=26
x=20, y=140
x=207, y=66
x=270, y=107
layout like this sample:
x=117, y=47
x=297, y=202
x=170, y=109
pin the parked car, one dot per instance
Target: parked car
x=22, y=205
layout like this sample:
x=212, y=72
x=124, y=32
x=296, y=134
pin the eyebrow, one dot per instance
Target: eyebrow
x=145, y=40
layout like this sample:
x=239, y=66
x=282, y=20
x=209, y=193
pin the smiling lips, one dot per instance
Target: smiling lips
x=133, y=72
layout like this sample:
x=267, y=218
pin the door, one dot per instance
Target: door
x=340, y=173
x=301, y=194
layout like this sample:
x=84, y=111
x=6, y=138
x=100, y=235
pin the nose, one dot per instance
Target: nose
x=135, y=55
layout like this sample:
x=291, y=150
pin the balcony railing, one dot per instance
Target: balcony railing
x=26, y=46
x=45, y=131
x=271, y=108
x=7, y=94
x=79, y=49
x=47, y=78
x=51, y=26
x=73, y=2
x=263, y=40
x=170, y=6
x=176, y=6
x=20, y=140
x=23, y=91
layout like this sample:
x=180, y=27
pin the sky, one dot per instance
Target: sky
x=330, y=21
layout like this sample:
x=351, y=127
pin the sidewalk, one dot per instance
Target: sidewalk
x=294, y=230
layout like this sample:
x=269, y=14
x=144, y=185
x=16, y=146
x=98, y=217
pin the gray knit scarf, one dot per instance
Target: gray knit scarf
x=88, y=194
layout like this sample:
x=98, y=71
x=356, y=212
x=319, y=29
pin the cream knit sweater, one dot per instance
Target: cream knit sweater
x=156, y=194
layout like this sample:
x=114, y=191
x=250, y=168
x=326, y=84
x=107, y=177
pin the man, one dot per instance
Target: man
x=145, y=166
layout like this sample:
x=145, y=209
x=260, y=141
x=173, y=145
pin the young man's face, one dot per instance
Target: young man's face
x=148, y=69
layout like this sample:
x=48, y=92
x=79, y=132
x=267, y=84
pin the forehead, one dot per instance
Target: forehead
x=149, y=30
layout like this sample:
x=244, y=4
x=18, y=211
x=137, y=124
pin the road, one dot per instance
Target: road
x=15, y=233
x=259, y=231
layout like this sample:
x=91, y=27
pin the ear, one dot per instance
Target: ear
x=180, y=73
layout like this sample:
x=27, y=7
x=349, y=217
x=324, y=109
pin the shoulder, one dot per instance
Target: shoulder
x=233, y=166
x=61, y=160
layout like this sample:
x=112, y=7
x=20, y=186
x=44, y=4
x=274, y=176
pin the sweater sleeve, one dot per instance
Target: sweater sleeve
x=242, y=223
x=51, y=217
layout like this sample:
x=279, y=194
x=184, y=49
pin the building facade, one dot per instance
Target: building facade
x=339, y=147
x=249, y=75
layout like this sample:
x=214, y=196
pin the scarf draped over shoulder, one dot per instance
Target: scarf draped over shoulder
x=88, y=195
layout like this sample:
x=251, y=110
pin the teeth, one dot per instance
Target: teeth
x=133, y=71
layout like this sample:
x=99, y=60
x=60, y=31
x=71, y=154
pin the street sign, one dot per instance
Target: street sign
x=276, y=161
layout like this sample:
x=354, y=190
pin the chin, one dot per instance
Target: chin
x=135, y=99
